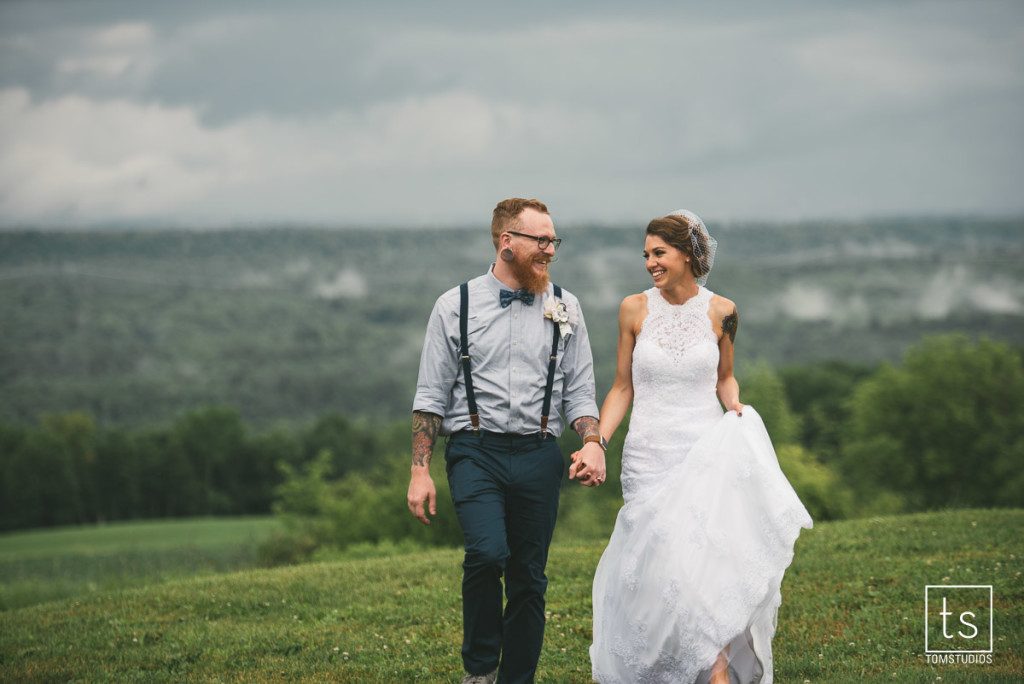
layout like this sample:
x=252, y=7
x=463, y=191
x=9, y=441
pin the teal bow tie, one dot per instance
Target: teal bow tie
x=524, y=295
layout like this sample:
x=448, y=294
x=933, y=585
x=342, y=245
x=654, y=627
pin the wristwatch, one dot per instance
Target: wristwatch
x=597, y=438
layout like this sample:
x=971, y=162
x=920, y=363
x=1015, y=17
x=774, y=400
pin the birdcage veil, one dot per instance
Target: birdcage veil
x=703, y=250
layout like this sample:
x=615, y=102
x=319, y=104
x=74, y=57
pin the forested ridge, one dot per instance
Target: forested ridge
x=134, y=328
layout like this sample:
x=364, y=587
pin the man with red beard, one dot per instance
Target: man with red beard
x=500, y=352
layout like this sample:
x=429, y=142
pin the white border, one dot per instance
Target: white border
x=991, y=635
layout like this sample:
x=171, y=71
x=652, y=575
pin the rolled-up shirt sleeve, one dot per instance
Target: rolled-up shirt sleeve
x=438, y=361
x=578, y=386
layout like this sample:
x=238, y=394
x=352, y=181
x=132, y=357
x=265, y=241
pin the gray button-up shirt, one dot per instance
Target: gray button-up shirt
x=509, y=350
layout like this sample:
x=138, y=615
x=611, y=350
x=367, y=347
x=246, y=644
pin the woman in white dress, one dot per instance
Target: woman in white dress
x=688, y=587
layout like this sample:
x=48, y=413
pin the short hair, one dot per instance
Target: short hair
x=506, y=215
x=679, y=232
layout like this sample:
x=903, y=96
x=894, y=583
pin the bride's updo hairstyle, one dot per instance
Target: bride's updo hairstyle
x=686, y=232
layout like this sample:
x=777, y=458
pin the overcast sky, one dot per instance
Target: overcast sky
x=428, y=113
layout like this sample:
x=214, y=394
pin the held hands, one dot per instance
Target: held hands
x=588, y=467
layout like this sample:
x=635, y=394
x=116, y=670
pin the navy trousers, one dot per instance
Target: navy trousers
x=505, y=491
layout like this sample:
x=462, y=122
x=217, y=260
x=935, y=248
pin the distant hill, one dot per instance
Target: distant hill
x=287, y=324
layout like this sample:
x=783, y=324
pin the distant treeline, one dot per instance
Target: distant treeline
x=945, y=428
x=207, y=462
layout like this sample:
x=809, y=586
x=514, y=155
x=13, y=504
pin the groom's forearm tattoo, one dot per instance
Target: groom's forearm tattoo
x=585, y=426
x=729, y=325
x=424, y=434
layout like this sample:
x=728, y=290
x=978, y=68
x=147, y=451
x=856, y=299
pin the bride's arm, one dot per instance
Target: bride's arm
x=725, y=319
x=631, y=314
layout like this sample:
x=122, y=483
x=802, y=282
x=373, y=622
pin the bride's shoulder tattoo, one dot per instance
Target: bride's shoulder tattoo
x=730, y=323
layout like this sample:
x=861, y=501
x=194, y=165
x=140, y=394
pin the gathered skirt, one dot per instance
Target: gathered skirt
x=695, y=565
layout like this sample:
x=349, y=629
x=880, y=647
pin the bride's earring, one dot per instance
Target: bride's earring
x=507, y=255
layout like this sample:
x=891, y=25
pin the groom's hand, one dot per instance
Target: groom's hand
x=422, y=492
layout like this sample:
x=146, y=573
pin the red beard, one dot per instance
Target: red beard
x=522, y=270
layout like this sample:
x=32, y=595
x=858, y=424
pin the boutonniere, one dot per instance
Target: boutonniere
x=558, y=312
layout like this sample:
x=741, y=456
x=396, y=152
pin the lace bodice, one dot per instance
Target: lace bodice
x=675, y=375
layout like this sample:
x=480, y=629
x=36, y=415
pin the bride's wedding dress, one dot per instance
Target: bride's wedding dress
x=709, y=522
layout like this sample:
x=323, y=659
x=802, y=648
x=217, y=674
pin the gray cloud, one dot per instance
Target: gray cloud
x=401, y=114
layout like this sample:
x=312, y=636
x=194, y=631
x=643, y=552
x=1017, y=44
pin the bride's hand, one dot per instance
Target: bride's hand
x=589, y=473
x=738, y=408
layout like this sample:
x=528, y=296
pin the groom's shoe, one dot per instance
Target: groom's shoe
x=480, y=679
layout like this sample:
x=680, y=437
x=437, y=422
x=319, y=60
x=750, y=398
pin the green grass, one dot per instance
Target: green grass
x=853, y=611
x=45, y=565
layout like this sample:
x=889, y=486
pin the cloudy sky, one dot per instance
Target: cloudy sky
x=427, y=113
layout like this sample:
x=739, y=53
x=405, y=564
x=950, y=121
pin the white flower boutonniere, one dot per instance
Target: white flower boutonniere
x=558, y=312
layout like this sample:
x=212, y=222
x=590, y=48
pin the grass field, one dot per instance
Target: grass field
x=853, y=611
x=46, y=565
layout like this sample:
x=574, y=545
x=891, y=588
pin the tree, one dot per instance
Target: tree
x=819, y=394
x=11, y=472
x=818, y=487
x=40, y=487
x=118, y=476
x=213, y=440
x=168, y=482
x=78, y=431
x=321, y=510
x=353, y=445
x=944, y=430
x=763, y=389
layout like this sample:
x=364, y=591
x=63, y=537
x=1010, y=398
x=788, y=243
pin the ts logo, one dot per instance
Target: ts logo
x=958, y=619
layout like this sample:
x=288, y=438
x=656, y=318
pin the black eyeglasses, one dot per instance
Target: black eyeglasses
x=542, y=242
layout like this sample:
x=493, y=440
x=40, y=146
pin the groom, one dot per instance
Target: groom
x=499, y=352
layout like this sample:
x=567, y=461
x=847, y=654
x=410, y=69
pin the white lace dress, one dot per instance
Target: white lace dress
x=707, y=529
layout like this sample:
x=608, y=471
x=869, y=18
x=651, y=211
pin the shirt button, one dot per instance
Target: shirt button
x=515, y=342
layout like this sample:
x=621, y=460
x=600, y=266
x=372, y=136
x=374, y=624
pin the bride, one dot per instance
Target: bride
x=688, y=588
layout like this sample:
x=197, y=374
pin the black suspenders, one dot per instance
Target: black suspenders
x=551, y=372
x=474, y=415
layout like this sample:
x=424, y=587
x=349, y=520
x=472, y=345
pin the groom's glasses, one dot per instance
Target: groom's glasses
x=542, y=242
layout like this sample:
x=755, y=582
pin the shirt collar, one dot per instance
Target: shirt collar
x=493, y=283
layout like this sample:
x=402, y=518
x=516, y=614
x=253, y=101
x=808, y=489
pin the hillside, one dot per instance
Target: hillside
x=853, y=611
x=287, y=324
